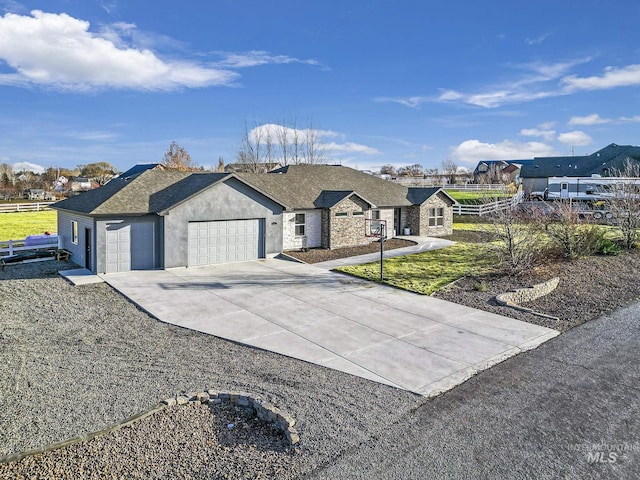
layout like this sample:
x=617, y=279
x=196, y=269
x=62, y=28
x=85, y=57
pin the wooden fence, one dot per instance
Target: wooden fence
x=487, y=208
x=12, y=247
x=24, y=207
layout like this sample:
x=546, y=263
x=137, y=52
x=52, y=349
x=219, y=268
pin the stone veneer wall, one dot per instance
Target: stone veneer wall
x=348, y=231
x=523, y=295
x=418, y=217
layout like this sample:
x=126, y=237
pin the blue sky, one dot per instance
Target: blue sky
x=398, y=82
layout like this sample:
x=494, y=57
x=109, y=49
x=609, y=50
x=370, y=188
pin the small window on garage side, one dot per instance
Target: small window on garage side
x=342, y=214
x=300, y=224
x=358, y=214
x=74, y=232
x=436, y=217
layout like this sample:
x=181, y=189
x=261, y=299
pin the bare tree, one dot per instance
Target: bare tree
x=517, y=248
x=449, y=169
x=220, y=167
x=313, y=151
x=387, y=170
x=269, y=143
x=416, y=170
x=625, y=204
x=571, y=232
x=177, y=158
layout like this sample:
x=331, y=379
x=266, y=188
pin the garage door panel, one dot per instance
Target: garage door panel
x=223, y=241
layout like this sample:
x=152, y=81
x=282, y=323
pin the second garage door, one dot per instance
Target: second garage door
x=223, y=241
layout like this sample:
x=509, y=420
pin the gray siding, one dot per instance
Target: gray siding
x=65, y=236
x=229, y=200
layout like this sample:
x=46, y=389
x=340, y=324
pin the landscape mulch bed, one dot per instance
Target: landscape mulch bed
x=589, y=287
x=315, y=255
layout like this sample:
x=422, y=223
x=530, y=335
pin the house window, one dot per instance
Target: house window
x=342, y=214
x=375, y=215
x=74, y=232
x=436, y=217
x=358, y=214
x=300, y=224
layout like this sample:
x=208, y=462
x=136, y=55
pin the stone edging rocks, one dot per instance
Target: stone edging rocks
x=264, y=410
x=513, y=298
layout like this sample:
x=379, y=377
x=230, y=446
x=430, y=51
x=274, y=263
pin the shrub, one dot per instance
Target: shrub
x=608, y=247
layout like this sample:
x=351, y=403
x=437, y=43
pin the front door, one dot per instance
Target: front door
x=87, y=248
x=397, y=220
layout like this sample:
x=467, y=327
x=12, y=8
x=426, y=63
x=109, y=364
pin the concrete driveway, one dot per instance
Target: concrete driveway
x=409, y=341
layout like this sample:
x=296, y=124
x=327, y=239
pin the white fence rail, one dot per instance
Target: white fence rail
x=426, y=183
x=12, y=247
x=487, y=208
x=24, y=207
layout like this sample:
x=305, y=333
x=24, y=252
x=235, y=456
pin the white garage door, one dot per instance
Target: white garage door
x=118, y=247
x=130, y=246
x=223, y=241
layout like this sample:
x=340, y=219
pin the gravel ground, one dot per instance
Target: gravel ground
x=179, y=442
x=588, y=288
x=78, y=359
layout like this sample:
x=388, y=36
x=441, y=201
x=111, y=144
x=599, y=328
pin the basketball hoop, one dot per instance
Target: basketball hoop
x=375, y=228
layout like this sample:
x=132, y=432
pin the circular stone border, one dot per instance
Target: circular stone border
x=264, y=410
x=514, y=297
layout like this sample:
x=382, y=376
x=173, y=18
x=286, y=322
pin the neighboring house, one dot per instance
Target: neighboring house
x=161, y=219
x=606, y=162
x=33, y=194
x=499, y=171
x=81, y=184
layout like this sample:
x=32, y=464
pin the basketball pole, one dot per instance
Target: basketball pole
x=382, y=239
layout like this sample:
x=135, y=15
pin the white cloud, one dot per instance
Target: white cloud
x=593, y=119
x=576, y=138
x=257, y=57
x=611, y=78
x=537, y=40
x=59, y=51
x=472, y=151
x=350, y=147
x=277, y=133
x=548, y=135
x=635, y=118
x=27, y=167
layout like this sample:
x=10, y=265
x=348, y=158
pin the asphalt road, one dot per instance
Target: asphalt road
x=569, y=409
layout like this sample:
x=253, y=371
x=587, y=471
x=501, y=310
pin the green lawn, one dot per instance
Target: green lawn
x=429, y=271
x=18, y=225
x=465, y=196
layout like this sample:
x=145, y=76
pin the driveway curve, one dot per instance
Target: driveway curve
x=410, y=341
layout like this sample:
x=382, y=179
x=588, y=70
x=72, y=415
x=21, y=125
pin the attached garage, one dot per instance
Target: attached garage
x=225, y=241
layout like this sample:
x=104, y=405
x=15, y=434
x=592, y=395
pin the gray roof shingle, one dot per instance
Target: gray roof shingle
x=603, y=162
x=299, y=186
x=295, y=187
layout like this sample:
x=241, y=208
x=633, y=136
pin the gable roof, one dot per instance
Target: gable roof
x=603, y=162
x=300, y=186
x=417, y=195
x=330, y=198
x=155, y=191
x=500, y=163
x=151, y=191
